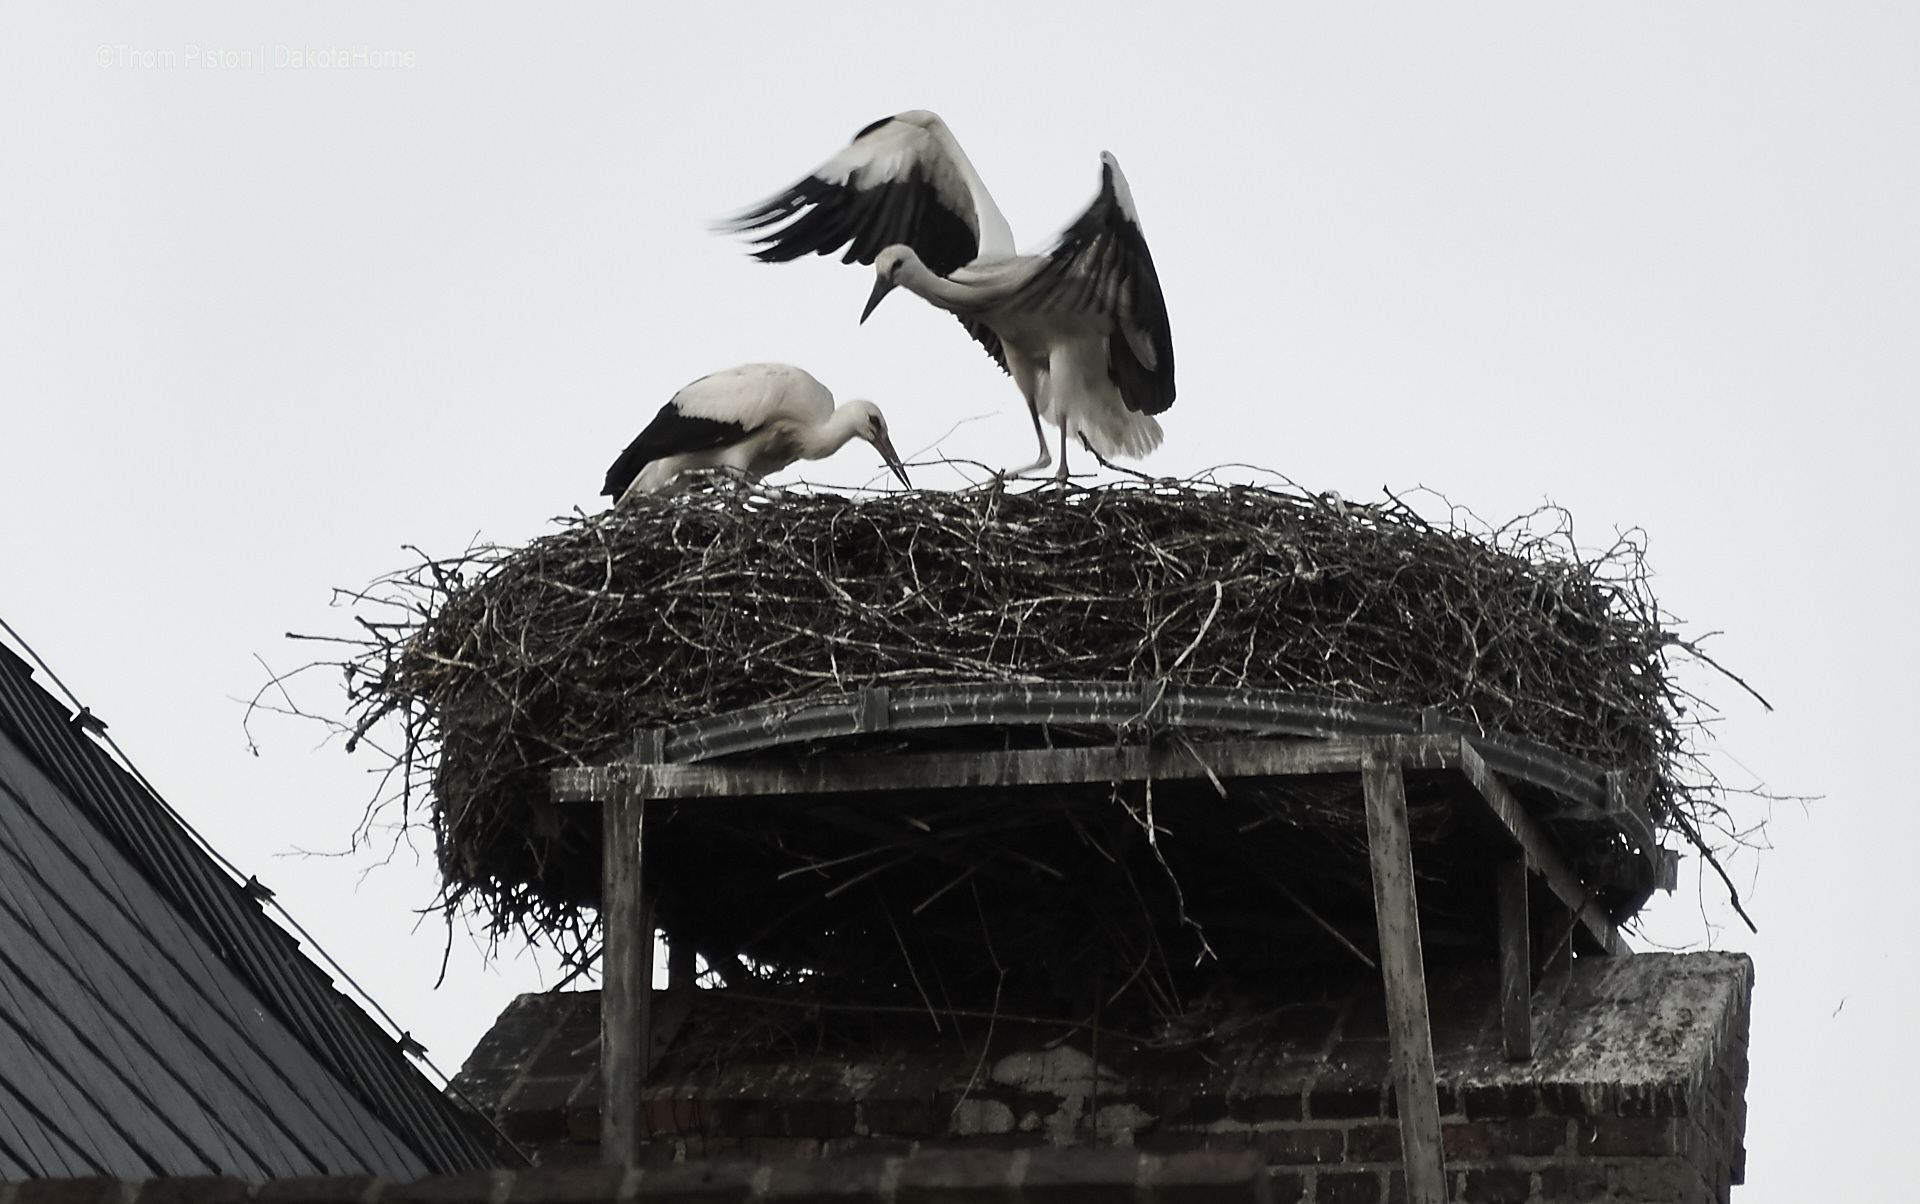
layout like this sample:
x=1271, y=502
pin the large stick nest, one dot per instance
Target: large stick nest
x=505, y=663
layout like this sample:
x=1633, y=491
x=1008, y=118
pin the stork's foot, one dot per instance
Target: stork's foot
x=1009, y=474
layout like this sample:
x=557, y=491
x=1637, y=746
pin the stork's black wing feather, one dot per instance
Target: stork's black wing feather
x=820, y=218
x=1102, y=265
x=898, y=181
x=984, y=335
x=669, y=434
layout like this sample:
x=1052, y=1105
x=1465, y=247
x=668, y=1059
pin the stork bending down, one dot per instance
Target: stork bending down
x=756, y=419
x=1081, y=329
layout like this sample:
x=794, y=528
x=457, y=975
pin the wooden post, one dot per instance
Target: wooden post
x=1516, y=954
x=626, y=978
x=1542, y=856
x=1390, y=845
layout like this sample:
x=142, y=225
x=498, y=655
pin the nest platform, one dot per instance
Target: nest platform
x=679, y=620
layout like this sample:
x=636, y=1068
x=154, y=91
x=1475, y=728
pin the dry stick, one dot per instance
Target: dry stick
x=908, y=957
x=1114, y=933
x=986, y=934
x=928, y=901
x=1042, y=866
x=1179, y=895
x=1297, y=901
x=1566, y=935
x=1169, y=1006
x=817, y=866
x=1105, y=463
x=1733, y=896
x=857, y=879
x=1694, y=650
x=1218, y=594
x=1219, y=787
x=1145, y=960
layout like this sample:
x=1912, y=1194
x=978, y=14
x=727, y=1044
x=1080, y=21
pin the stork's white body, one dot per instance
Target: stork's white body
x=1058, y=357
x=756, y=419
x=1081, y=329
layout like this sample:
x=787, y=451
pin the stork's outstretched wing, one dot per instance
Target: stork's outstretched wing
x=903, y=180
x=1102, y=266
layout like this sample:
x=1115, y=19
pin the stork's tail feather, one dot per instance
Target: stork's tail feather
x=1126, y=435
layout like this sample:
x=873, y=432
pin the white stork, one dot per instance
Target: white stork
x=1081, y=329
x=756, y=419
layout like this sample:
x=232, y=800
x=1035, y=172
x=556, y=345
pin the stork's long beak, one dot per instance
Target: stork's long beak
x=892, y=457
x=881, y=288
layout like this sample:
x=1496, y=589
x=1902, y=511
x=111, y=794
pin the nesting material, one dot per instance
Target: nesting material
x=505, y=663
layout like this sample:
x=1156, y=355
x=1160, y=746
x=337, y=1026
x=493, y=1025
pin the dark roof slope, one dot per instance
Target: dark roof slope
x=152, y=1019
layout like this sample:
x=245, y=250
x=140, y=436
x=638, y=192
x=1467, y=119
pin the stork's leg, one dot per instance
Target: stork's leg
x=1046, y=458
x=1061, y=475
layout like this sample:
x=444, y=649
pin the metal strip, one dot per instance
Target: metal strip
x=1027, y=767
x=1117, y=704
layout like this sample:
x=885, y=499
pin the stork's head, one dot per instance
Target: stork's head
x=870, y=424
x=887, y=267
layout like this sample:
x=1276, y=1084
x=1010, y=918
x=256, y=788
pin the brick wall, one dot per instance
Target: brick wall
x=1542, y=1159
x=1636, y=1093
x=1339, y=1148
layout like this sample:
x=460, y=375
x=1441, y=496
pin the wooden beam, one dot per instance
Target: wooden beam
x=1390, y=846
x=1029, y=767
x=1666, y=870
x=1516, y=960
x=1541, y=856
x=626, y=974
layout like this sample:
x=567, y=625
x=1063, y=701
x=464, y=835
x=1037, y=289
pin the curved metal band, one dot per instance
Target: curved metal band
x=1152, y=704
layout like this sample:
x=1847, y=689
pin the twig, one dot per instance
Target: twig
x=908, y=958
x=1313, y=915
x=1693, y=649
x=929, y=900
x=1733, y=895
x=1218, y=594
x=986, y=935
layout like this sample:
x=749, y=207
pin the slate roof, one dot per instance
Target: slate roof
x=153, y=1020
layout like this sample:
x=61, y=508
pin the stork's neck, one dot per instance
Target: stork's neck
x=819, y=442
x=971, y=289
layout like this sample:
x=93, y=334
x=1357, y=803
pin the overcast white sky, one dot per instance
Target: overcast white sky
x=260, y=326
